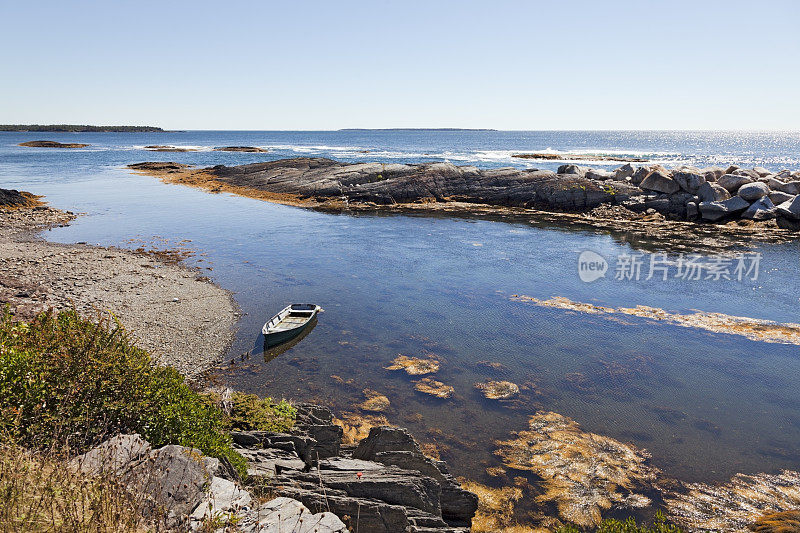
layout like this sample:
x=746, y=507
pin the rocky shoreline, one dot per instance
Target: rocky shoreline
x=179, y=316
x=711, y=208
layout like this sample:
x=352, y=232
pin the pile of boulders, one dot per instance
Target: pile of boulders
x=711, y=194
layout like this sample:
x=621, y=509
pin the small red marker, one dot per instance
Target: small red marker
x=359, y=474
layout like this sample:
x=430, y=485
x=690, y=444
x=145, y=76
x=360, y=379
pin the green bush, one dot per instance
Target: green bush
x=68, y=381
x=249, y=412
x=610, y=525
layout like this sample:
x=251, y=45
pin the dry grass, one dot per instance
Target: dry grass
x=41, y=493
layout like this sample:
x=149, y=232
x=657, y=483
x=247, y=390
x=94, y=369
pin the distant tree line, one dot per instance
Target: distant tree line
x=75, y=128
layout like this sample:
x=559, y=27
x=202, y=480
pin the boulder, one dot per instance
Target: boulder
x=692, y=211
x=689, y=181
x=753, y=191
x=790, y=209
x=640, y=174
x=396, y=447
x=792, y=187
x=286, y=514
x=761, y=171
x=112, y=456
x=712, y=173
x=223, y=496
x=714, y=211
x=572, y=169
x=779, y=197
x=773, y=183
x=599, y=175
x=762, y=209
x=732, y=182
x=656, y=181
x=753, y=175
x=784, y=174
x=624, y=172
x=172, y=478
x=731, y=169
x=712, y=192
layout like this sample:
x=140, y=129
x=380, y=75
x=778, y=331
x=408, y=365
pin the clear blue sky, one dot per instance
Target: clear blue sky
x=336, y=64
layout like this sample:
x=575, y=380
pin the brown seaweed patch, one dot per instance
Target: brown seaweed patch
x=584, y=474
x=434, y=388
x=375, y=401
x=737, y=505
x=498, y=390
x=782, y=522
x=495, y=506
x=414, y=366
x=752, y=328
x=356, y=427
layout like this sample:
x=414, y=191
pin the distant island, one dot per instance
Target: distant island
x=77, y=128
x=417, y=129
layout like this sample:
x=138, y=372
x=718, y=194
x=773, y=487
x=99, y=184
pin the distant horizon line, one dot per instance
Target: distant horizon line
x=443, y=129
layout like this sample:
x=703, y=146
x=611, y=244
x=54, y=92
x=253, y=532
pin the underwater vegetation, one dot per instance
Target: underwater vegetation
x=434, y=388
x=498, y=390
x=583, y=474
x=744, y=503
x=414, y=366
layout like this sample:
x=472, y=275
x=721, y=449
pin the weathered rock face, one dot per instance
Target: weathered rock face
x=388, y=483
x=113, y=456
x=711, y=192
x=792, y=187
x=396, y=447
x=790, y=208
x=732, y=182
x=714, y=211
x=762, y=209
x=689, y=181
x=753, y=191
x=656, y=181
x=379, y=183
x=285, y=514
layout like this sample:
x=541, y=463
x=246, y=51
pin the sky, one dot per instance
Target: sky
x=317, y=65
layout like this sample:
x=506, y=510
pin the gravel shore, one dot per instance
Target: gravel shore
x=181, y=318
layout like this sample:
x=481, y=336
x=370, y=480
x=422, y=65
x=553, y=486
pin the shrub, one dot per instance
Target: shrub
x=611, y=525
x=249, y=412
x=69, y=381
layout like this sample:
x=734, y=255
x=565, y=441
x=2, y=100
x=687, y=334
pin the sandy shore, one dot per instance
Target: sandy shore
x=182, y=319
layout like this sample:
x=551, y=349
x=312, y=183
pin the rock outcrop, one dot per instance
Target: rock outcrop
x=393, y=183
x=605, y=196
x=52, y=144
x=12, y=198
x=385, y=484
x=240, y=149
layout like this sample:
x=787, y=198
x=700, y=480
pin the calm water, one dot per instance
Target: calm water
x=705, y=405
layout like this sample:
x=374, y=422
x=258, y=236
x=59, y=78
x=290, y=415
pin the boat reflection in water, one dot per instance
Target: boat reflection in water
x=272, y=350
